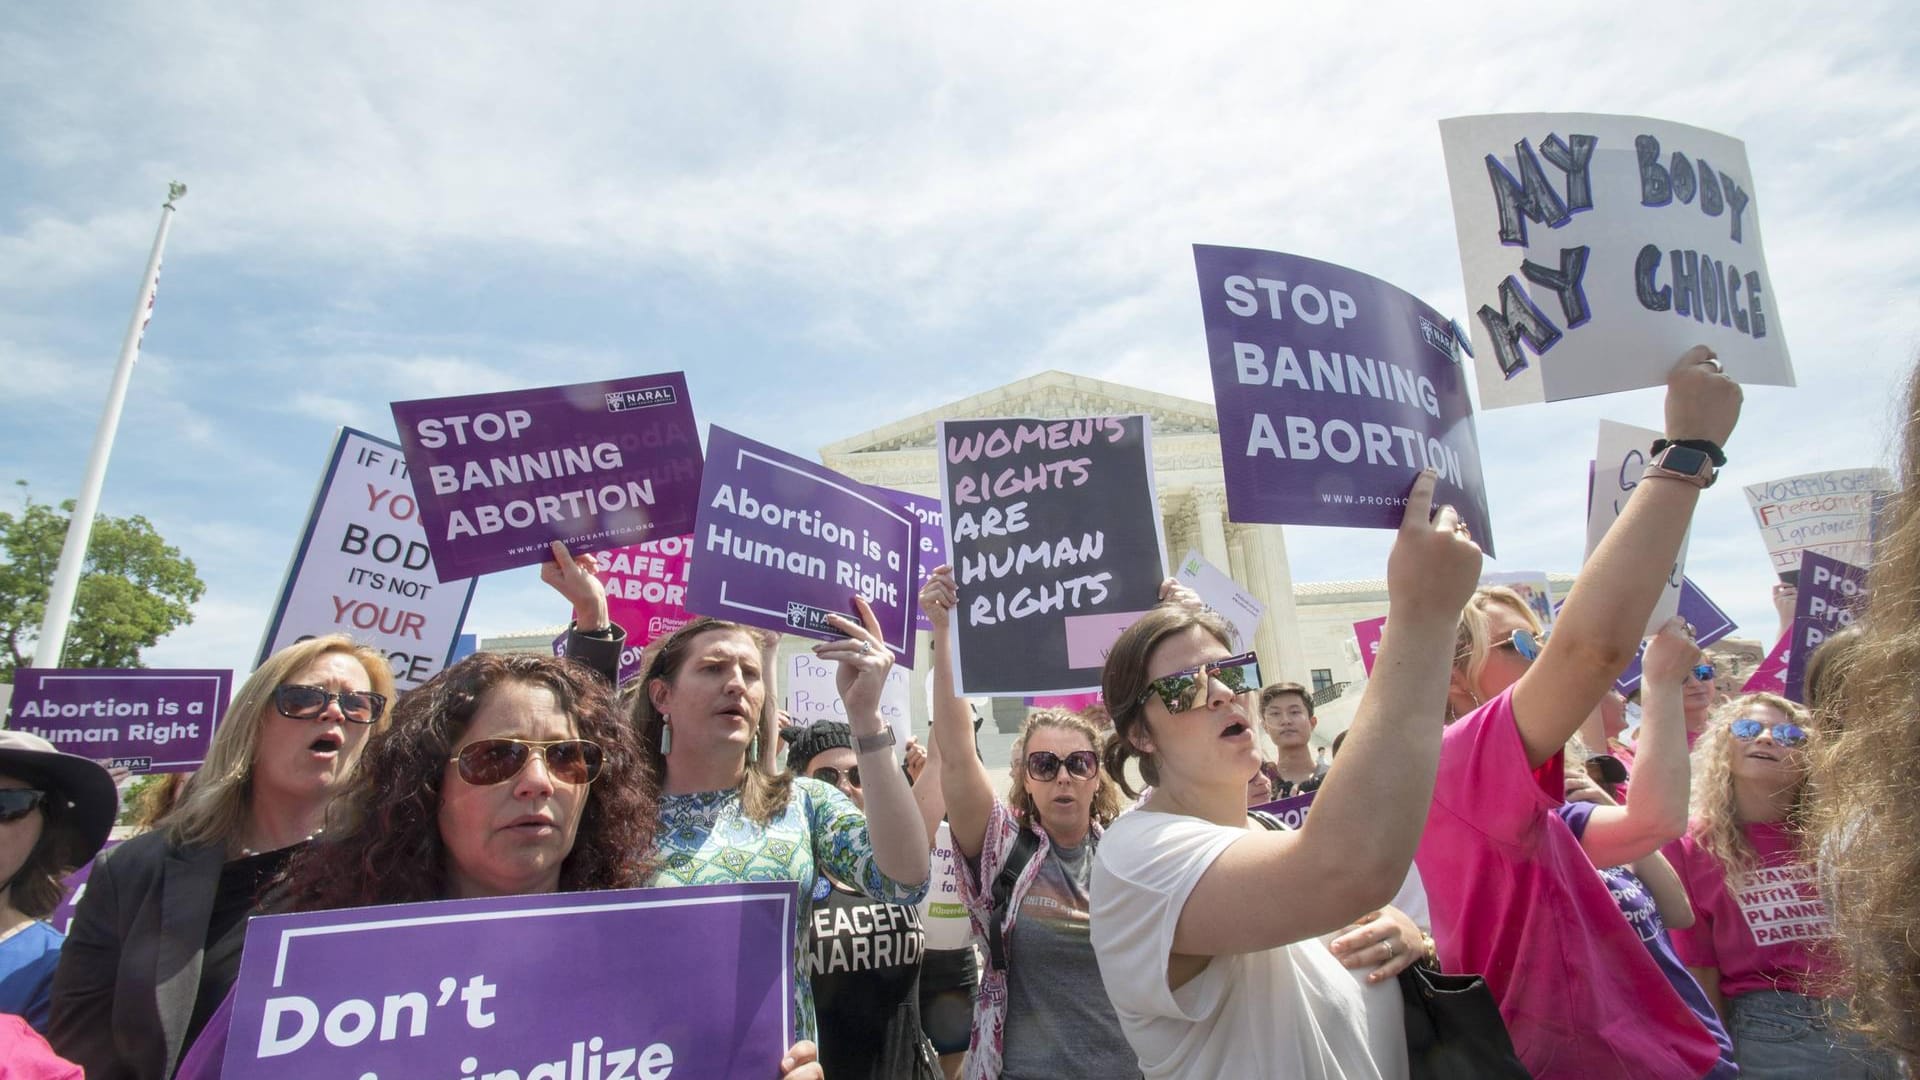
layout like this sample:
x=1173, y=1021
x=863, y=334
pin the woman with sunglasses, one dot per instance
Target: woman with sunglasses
x=155, y=942
x=864, y=955
x=704, y=701
x=1513, y=895
x=1760, y=943
x=1204, y=919
x=1040, y=990
x=501, y=776
x=55, y=812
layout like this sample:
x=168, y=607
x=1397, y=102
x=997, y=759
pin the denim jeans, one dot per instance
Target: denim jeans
x=1783, y=1036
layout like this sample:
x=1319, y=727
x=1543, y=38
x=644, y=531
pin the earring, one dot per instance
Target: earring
x=666, y=736
x=753, y=749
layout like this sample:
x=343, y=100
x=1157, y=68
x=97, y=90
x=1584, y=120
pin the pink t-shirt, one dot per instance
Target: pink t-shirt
x=1771, y=933
x=1515, y=899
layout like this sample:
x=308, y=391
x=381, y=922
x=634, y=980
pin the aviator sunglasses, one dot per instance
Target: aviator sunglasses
x=1044, y=765
x=829, y=774
x=1703, y=672
x=495, y=761
x=16, y=803
x=1747, y=729
x=1525, y=642
x=297, y=702
x=1180, y=690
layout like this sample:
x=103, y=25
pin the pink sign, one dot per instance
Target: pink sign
x=1771, y=676
x=1368, y=635
x=1069, y=702
x=1090, y=636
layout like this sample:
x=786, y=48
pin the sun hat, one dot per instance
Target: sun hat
x=91, y=800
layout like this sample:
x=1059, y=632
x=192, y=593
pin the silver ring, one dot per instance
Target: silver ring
x=1393, y=948
x=866, y=646
x=1715, y=361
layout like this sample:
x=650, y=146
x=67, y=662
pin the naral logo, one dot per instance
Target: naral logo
x=645, y=398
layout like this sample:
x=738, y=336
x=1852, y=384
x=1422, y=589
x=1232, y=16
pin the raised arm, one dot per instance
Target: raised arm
x=963, y=778
x=1599, y=628
x=1367, y=818
x=928, y=791
x=771, y=759
x=1657, y=813
x=900, y=845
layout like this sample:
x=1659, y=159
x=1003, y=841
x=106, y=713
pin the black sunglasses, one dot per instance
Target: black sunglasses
x=1180, y=690
x=297, y=702
x=16, y=803
x=486, y=762
x=1607, y=770
x=830, y=774
x=1044, y=765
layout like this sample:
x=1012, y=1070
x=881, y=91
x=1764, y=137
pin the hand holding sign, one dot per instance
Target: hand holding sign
x=1434, y=565
x=1670, y=654
x=864, y=662
x=572, y=576
x=938, y=597
x=1702, y=401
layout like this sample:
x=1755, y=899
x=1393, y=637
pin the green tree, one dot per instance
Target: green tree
x=135, y=588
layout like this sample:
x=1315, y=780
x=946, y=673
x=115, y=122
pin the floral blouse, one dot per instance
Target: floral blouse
x=706, y=839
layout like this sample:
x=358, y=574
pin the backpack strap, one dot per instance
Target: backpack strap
x=1267, y=820
x=1025, y=845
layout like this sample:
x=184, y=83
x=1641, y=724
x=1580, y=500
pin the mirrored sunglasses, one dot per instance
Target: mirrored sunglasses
x=1747, y=729
x=829, y=774
x=297, y=702
x=1044, y=765
x=1525, y=642
x=16, y=803
x=1180, y=690
x=486, y=762
x=1703, y=672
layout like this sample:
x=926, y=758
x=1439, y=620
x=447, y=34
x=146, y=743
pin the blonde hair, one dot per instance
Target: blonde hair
x=1106, y=793
x=1863, y=811
x=1473, y=641
x=1715, y=825
x=214, y=808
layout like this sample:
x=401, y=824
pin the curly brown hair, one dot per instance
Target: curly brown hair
x=386, y=846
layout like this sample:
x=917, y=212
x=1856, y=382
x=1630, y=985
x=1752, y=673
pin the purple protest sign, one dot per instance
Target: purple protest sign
x=1292, y=812
x=73, y=888
x=557, y=986
x=1832, y=593
x=594, y=465
x=143, y=720
x=932, y=549
x=1710, y=624
x=782, y=543
x=1333, y=390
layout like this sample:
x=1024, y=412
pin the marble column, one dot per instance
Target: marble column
x=1210, y=511
x=1280, y=629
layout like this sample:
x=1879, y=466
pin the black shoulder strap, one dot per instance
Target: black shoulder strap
x=1025, y=844
x=1267, y=820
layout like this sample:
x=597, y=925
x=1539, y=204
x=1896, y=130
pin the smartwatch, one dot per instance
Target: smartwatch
x=1687, y=463
x=866, y=744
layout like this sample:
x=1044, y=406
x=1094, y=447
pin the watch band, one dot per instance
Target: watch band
x=1703, y=477
x=1705, y=446
x=866, y=744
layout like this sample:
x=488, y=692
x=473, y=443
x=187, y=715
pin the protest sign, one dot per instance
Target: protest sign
x=943, y=913
x=646, y=595
x=1710, y=624
x=811, y=696
x=73, y=888
x=1534, y=589
x=140, y=719
x=1771, y=676
x=782, y=543
x=548, y=986
x=931, y=552
x=1333, y=390
x=1223, y=596
x=1618, y=464
x=1831, y=595
x=1597, y=249
x=1826, y=512
x=1055, y=537
x=1292, y=812
x=1368, y=633
x=363, y=567
x=594, y=465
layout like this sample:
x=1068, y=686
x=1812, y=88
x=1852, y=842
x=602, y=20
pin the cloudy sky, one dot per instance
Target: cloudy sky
x=840, y=216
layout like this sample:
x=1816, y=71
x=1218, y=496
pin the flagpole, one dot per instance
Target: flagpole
x=73, y=554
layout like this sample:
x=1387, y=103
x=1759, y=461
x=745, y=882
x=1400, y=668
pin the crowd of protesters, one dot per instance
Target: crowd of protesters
x=1729, y=889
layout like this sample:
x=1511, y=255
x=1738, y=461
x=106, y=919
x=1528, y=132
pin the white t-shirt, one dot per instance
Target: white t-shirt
x=1293, y=1011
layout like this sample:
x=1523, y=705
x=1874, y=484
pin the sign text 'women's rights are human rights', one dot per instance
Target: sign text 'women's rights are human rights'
x=594, y=465
x=1334, y=389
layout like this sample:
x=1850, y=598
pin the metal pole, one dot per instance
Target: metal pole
x=73, y=554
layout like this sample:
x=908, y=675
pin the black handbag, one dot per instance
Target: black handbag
x=1454, y=1030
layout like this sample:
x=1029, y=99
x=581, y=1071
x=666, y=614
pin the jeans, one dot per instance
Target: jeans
x=1788, y=1036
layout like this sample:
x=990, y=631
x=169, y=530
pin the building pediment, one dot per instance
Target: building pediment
x=1049, y=395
